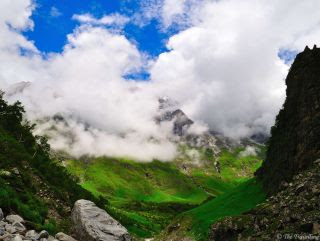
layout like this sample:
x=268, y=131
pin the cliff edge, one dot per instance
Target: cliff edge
x=295, y=142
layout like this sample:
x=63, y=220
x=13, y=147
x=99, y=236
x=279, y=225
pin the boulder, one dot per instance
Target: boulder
x=20, y=228
x=52, y=239
x=1, y=214
x=2, y=230
x=10, y=229
x=17, y=238
x=91, y=223
x=63, y=237
x=14, y=219
x=42, y=234
x=31, y=234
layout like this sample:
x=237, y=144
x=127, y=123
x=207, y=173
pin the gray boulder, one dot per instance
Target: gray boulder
x=14, y=219
x=31, y=234
x=20, y=228
x=2, y=230
x=42, y=234
x=17, y=238
x=91, y=223
x=63, y=237
x=52, y=239
x=10, y=228
x=1, y=214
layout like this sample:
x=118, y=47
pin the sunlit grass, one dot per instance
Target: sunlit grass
x=145, y=197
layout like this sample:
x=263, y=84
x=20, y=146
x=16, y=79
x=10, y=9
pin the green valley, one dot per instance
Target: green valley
x=147, y=196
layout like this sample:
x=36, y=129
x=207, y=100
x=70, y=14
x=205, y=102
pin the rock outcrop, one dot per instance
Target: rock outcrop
x=295, y=138
x=91, y=223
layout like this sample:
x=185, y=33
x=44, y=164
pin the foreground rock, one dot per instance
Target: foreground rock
x=63, y=237
x=12, y=229
x=1, y=214
x=91, y=223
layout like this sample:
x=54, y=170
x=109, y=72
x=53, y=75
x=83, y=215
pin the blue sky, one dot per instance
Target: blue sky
x=53, y=21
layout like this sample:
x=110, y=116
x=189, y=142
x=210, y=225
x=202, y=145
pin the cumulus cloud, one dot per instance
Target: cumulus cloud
x=84, y=84
x=223, y=70
x=230, y=58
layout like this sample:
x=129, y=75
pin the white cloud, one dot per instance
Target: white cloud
x=85, y=85
x=248, y=151
x=149, y=10
x=224, y=71
x=167, y=12
x=115, y=20
x=54, y=12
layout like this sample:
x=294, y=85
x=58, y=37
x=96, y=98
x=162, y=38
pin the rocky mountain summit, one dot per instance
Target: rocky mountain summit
x=290, y=173
x=182, y=129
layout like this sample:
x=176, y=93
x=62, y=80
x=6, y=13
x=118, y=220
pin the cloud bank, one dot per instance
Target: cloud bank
x=223, y=70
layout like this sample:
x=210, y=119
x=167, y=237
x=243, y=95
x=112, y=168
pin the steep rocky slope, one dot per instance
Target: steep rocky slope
x=290, y=173
x=295, y=141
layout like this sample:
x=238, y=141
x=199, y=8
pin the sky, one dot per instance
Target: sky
x=54, y=20
x=103, y=65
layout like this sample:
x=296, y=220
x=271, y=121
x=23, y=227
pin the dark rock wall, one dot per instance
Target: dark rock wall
x=295, y=138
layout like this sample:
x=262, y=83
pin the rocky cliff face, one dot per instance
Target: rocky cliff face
x=290, y=173
x=295, y=141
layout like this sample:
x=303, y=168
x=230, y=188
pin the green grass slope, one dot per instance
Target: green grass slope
x=122, y=180
x=234, y=202
x=196, y=223
x=143, y=196
x=146, y=197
